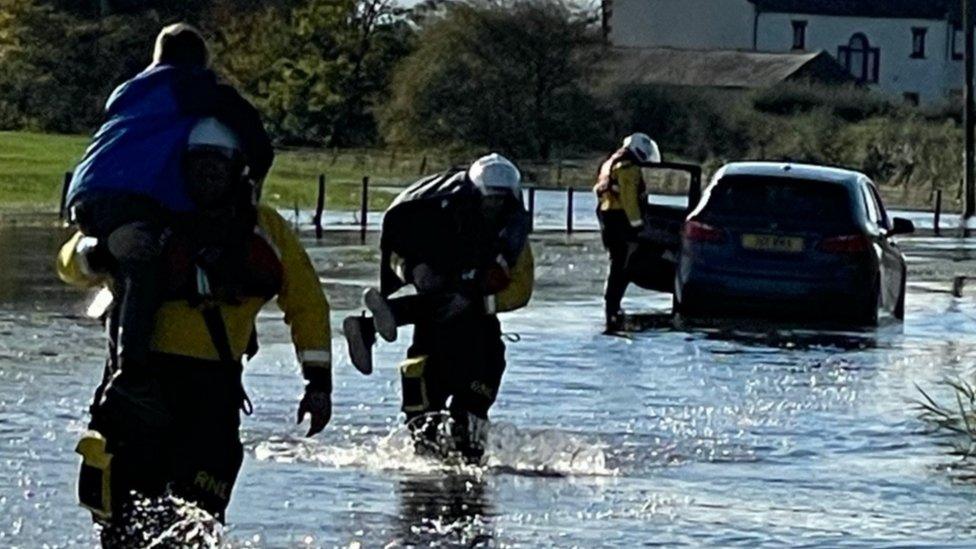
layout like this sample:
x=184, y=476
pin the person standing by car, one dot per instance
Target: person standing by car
x=621, y=196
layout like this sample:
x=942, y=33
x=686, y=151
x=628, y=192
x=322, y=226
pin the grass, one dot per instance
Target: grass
x=32, y=168
x=955, y=418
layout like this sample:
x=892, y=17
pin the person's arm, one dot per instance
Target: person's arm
x=521, y=282
x=78, y=262
x=629, y=182
x=240, y=116
x=306, y=310
x=199, y=94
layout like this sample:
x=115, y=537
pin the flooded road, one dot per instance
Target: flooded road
x=714, y=437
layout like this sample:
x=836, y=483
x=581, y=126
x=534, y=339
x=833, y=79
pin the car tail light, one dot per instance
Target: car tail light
x=702, y=232
x=845, y=244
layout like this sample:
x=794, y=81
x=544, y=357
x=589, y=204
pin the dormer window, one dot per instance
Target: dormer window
x=918, y=42
x=860, y=59
x=799, y=35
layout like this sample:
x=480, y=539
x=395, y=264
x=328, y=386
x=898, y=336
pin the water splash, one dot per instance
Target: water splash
x=509, y=449
x=165, y=521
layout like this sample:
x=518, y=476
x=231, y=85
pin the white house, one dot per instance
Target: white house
x=908, y=49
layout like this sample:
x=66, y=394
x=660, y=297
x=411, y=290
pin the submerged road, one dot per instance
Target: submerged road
x=739, y=436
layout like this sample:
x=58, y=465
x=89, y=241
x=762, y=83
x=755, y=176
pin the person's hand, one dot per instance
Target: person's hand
x=316, y=403
x=134, y=242
x=426, y=280
x=317, y=400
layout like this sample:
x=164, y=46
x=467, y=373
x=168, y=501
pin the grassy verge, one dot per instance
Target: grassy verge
x=32, y=168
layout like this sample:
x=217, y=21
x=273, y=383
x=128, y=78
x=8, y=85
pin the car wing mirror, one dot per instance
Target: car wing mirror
x=901, y=225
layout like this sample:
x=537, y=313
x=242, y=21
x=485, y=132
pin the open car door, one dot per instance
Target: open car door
x=652, y=266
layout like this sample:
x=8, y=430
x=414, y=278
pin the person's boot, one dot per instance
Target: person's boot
x=383, y=320
x=615, y=320
x=360, y=337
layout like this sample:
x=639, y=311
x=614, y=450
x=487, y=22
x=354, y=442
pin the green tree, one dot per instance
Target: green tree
x=507, y=75
x=317, y=70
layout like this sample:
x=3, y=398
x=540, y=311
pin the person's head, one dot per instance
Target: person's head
x=499, y=182
x=213, y=165
x=181, y=44
x=643, y=147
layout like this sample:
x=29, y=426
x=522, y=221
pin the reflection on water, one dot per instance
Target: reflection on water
x=705, y=436
x=444, y=509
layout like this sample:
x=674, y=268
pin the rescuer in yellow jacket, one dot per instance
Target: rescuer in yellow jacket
x=621, y=197
x=171, y=427
x=461, y=240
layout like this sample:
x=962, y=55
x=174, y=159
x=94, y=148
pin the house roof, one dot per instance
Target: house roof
x=721, y=68
x=906, y=9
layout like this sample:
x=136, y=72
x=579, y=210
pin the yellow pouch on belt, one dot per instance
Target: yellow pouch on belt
x=414, y=387
x=95, y=477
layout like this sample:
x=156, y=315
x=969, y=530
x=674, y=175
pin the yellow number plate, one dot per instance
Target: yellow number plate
x=772, y=243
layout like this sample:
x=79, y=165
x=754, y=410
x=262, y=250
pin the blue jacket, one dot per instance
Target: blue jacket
x=139, y=148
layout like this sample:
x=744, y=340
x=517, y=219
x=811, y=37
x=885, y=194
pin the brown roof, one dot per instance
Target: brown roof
x=721, y=68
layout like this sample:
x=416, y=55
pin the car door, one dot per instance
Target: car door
x=891, y=261
x=653, y=265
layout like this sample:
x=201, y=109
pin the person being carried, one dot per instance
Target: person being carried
x=171, y=426
x=461, y=240
x=129, y=188
x=621, y=199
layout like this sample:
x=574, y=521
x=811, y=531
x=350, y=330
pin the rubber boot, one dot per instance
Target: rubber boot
x=383, y=319
x=360, y=337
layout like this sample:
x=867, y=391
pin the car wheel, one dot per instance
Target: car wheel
x=869, y=314
x=899, y=311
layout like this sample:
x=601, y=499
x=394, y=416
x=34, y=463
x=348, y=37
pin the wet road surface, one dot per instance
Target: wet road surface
x=739, y=435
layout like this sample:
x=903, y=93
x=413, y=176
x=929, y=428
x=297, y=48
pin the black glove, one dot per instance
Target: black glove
x=317, y=400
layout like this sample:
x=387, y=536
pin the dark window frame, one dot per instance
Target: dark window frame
x=919, y=34
x=871, y=57
x=799, y=34
x=911, y=98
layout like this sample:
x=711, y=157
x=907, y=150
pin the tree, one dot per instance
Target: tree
x=507, y=75
x=317, y=70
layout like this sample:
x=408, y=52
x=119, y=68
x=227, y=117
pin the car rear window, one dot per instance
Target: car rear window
x=780, y=198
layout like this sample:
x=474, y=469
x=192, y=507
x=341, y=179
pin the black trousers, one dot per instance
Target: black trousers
x=620, y=240
x=99, y=214
x=196, y=457
x=466, y=360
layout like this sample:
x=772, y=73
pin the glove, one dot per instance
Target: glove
x=134, y=243
x=317, y=400
x=456, y=305
x=426, y=280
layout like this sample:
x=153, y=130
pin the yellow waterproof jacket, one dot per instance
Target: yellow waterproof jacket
x=180, y=329
x=518, y=292
x=621, y=187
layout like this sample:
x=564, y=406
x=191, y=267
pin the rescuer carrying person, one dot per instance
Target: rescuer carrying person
x=461, y=240
x=171, y=426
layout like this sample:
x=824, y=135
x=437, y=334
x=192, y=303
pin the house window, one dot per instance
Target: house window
x=918, y=42
x=958, y=42
x=799, y=35
x=911, y=98
x=860, y=59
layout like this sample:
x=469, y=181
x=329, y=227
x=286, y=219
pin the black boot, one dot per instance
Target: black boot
x=360, y=337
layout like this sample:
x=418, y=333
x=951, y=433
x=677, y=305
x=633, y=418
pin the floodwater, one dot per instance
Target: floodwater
x=718, y=437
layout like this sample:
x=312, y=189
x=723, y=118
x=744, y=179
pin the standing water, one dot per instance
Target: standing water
x=711, y=437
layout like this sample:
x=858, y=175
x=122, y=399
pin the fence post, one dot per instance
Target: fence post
x=296, y=216
x=364, y=210
x=62, y=213
x=569, y=210
x=938, y=211
x=423, y=165
x=320, y=207
x=531, y=209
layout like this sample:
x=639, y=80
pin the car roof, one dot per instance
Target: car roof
x=807, y=172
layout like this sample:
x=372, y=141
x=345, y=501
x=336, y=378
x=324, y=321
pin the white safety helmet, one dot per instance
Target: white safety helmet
x=495, y=174
x=210, y=133
x=643, y=147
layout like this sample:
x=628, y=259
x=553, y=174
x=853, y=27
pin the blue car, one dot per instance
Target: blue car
x=795, y=241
